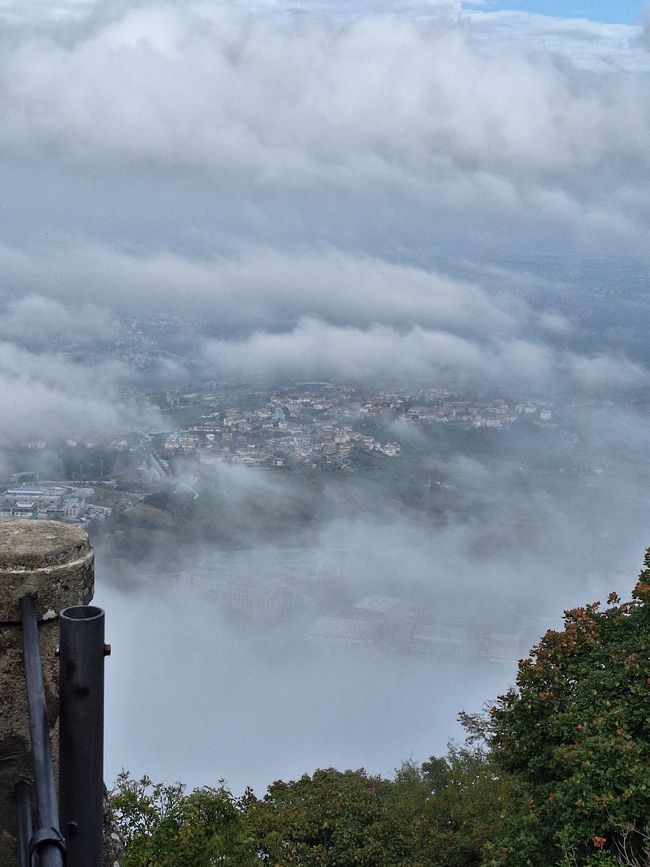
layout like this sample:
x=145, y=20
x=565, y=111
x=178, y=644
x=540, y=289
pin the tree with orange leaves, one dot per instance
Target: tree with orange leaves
x=575, y=738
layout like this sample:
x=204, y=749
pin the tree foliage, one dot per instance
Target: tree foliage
x=164, y=827
x=462, y=803
x=575, y=738
x=438, y=814
x=330, y=818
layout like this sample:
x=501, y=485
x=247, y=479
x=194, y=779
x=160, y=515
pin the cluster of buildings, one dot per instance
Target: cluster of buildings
x=495, y=413
x=321, y=424
x=376, y=622
x=56, y=503
x=368, y=623
x=316, y=425
x=314, y=430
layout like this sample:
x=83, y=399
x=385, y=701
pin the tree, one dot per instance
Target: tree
x=438, y=814
x=163, y=827
x=330, y=818
x=575, y=737
x=450, y=807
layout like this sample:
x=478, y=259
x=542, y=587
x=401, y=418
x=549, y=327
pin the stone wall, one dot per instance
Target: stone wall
x=55, y=561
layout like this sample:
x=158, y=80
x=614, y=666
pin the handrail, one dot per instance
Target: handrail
x=47, y=840
x=25, y=827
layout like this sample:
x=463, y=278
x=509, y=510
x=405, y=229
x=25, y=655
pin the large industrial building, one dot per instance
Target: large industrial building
x=56, y=503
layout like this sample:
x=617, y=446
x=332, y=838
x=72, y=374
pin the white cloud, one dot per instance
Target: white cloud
x=315, y=348
x=307, y=313
x=388, y=131
x=555, y=323
x=384, y=106
x=586, y=44
x=47, y=395
x=601, y=372
x=255, y=286
x=384, y=354
x=37, y=321
x=286, y=180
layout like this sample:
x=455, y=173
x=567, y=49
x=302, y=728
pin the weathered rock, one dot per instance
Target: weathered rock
x=52, y=559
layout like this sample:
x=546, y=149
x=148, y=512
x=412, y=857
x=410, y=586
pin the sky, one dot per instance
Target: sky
x=610, y=11
x=396, y=193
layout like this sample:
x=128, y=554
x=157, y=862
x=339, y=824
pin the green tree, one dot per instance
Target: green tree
x=575, y=738
x=447, y=809
x=439, y=814
x=330, y=818
x=163, y=827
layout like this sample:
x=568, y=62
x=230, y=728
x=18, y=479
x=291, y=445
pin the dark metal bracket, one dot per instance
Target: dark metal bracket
x=45, y=837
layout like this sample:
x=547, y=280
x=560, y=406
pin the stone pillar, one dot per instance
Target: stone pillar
x=54, y=560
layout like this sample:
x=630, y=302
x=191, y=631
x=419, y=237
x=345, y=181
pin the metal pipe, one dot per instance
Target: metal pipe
x=25, y=828
x=47, y=840
x=81, y=733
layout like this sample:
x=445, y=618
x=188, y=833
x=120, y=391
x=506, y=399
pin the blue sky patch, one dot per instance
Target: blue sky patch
x=612, y=11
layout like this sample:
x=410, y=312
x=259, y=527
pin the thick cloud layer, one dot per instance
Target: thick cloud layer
x=260, y=313
x=45, y=395
x=384, y=192
x=290, y=178
x=256, y=286
x=380, y=354
x=296, y=119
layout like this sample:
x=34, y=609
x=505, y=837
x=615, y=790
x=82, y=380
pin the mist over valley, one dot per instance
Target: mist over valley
x=330, y=326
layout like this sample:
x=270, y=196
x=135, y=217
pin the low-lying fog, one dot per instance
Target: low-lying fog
x=353, y=636
x=398, y=194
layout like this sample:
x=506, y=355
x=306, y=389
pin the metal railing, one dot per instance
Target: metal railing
x=72, y=835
